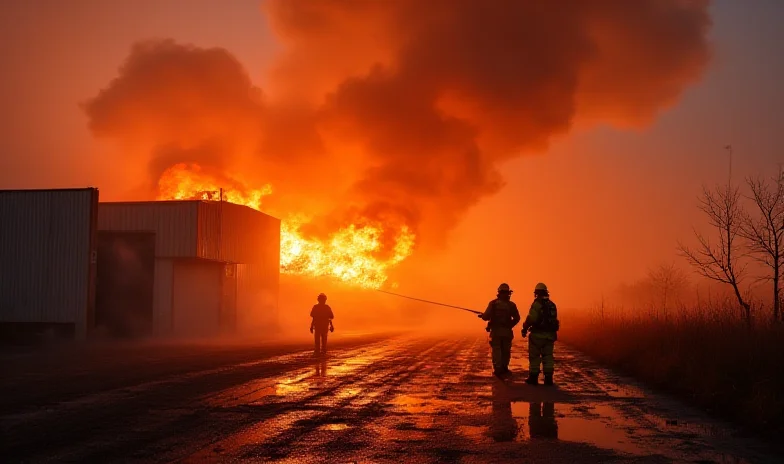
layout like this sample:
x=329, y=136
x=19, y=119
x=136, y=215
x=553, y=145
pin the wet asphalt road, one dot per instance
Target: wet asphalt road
x=375, y=398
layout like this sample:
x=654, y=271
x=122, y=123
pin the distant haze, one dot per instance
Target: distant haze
x=521, y=141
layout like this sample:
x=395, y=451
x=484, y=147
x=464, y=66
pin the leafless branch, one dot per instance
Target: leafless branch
x=721, y=262
x=764, y=231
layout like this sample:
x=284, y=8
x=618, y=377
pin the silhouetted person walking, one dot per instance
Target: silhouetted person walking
x=321, y=323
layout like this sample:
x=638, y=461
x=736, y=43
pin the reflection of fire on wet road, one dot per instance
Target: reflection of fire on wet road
x=372, y=400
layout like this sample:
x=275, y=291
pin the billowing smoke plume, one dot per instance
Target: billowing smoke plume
x=400, y=111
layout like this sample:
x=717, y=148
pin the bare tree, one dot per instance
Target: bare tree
x=721, y=262
x=667, y=282
x=765, y=231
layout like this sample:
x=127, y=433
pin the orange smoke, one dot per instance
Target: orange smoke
x=388, y=120
x=350, y=254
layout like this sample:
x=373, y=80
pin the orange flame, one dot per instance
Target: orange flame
x=351, y=254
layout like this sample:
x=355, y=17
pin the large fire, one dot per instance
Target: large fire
x=350, y=254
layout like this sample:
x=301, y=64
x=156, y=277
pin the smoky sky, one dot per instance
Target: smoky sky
x=402, y=111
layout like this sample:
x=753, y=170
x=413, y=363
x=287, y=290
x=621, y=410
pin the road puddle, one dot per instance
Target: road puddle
x=260, y=390
x=427, y=405
x=301, y=381
x=292, y=385
x=350, y=366
x=350, y=392
x=599, y=425
x=334, y=427
x=604, y=426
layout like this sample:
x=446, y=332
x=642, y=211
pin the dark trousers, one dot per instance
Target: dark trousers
x=320, y=337
x=502, y=352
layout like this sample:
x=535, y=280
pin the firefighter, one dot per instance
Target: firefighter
x=502, y=315
x=322, y=316
x=543, y=323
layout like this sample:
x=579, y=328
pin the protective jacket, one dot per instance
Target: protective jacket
x=542, y=319
x=502, y=316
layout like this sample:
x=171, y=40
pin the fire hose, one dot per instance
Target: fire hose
x=524, y=332
x=430, y=302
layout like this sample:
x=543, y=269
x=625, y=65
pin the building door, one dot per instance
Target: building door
x=124, y=283
x=197, y=297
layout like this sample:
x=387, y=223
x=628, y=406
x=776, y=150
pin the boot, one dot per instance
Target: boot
x=548, y=379
x=533, y=379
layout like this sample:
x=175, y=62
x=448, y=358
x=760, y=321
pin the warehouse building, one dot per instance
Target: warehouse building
x=190, y=268
x=77, y=267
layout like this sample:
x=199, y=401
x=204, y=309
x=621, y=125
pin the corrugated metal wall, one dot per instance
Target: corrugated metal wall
x=251, y=239
x=175, y=224
x=163, y=296
x=47, y=266
x=211, y=230
x=244, y=234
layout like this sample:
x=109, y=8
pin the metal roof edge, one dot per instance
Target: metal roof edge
x=146, y=202
x=237, y=205
x=72, y=189
x=207, y=202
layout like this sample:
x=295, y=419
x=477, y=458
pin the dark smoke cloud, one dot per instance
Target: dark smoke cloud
x=408, y=106
x=174, y=103
x=169, y=92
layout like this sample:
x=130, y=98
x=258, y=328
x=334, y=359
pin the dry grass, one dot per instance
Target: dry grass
x=705, y=354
